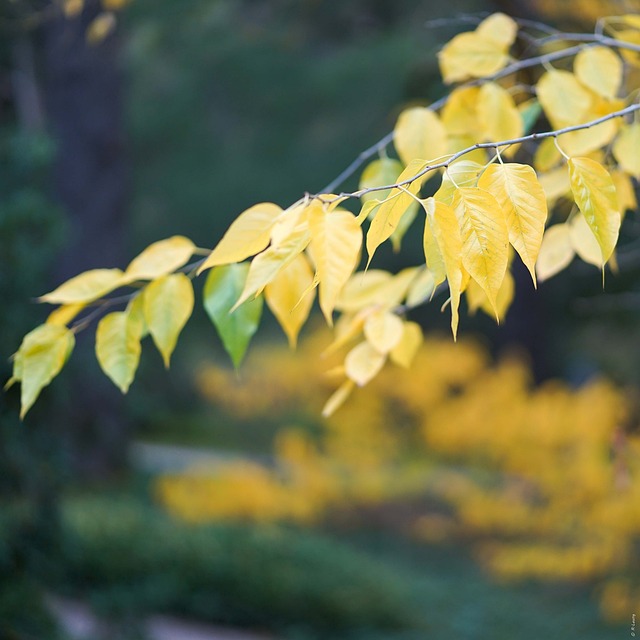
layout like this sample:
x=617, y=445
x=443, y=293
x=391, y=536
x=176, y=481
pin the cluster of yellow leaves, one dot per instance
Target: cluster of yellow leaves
x=543, y=481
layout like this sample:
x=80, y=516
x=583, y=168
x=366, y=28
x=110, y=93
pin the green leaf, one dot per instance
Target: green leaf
x=224, y=285
x=118, y=347
x=41, y=356
x=168, y=303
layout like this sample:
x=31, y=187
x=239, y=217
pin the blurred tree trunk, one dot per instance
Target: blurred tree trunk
x=83, y=92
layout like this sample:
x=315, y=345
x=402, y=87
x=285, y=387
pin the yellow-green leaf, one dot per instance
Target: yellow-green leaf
x=248, y=234
x=64, y=314
x=235, y=328
x=118, y=348
x=390, y=212
x=556, y=252
x=41, y=356
x=86, y=287
x=485, y=239
x=363, y=363
x=498, y=116
x=377, y=174
x=626, y=149
x=160, y=258
x=168, y=303
x=336, y=240
x=290, y=296
x=404, y=225
x=405, y=351
x=463, y=173
x=521, y=197
x=584, y=242
x=419, y=134
x=383, y=331
x=431, y=247
x=422, y=288
x=595, y=195
x=600, y=69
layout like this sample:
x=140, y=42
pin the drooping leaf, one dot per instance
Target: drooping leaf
x=405, y=351
x=485, y=239
x=470, y=55
x=595, y=195
x=336, y=240
x=431, y=247
x=626, y=149
x=168, y=303
x=118, y=348
x=422, y=288
x=383, y=331
x=160, y=258
x=520, y=195
x=583, y=241
x=221, y=290
x=555, y=184
x=338, y=398
x=498, y=116
x=64, y=314
x=85, y=287
x=363, y=289
x=477, y=298
x=419, y=134
x=290, y=296
x=135, y=309
x=390, y=212
x=363, y=363
x=556, y=252
x=41, y=356
x=600, y=69
x=377, y=174
x=459, y=114
x=463, y=173
x=563, y=98
x=248, y=234
x=403, y=227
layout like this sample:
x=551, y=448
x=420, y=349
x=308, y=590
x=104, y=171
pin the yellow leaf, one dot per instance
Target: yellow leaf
x=160, y=258
x=470, y=55
x=600, y=69
x=563, y=98
x=463, y=142
x=518, y=192
x=498, y=116
x=118, y=348
x=266, y=265
x=584, y=242
x=168, y=303
x=377, y=174
x=405, y=351
x=459, y=114
x=363, y=289
x=336, y=239
x=498, y=28
x=100, y=27
x=86, y=287
x=290, y=296
x=626, y=149
x=248, y=234
x=447, y=232
x=41, y=356
x=403, y=226
x=338, y=398
x=595, y=195
x=383, y=331
x=555, y=184
x=463, y=173
x=64, y=314
x=477, y=298
x=390, y=212
x=547, y=156
x=556, y=252
x=632, y=36
x=485, y=239
x=626, y=193
x=363, y=363
x=422, y=288
x=347, y=328
x=432, y=253
x=135, y=309
x=419, y=134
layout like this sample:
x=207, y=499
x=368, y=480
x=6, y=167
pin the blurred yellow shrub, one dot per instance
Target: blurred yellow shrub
x=544, y=482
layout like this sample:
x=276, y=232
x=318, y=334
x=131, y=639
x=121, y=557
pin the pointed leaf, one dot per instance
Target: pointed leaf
x=421, y=288
x=518, y=192
x=377, y=174
x=160, y=258
x=221, y=290
x=336, y=240
x=485, y=238
x=290, y=297
x=168, y=303
x=595, y=195
x=86, y=287
x=118, y=348
x=383, y=331
x=584, y=242
x=556, y=252
x=363, y=363
x=248, y=234
x=405, y=351
x=419, y=134
x=477, y=298
x=41, y=356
